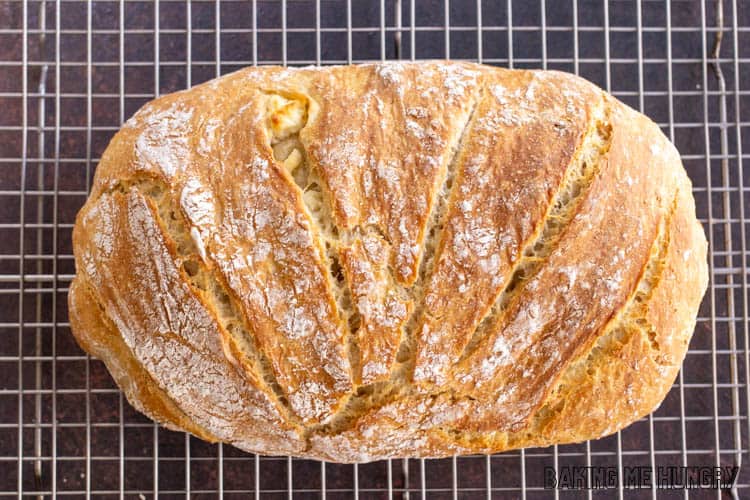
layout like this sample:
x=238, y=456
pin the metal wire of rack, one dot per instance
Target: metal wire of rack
x=72, y=71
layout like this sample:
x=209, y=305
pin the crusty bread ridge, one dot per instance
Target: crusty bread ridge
x=389, y=260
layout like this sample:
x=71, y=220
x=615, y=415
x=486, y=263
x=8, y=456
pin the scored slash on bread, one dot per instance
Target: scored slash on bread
x=389, y=260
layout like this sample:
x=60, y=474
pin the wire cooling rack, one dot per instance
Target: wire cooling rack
x=71, y=72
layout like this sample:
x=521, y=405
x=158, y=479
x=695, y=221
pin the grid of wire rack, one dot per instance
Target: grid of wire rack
x=72, y=71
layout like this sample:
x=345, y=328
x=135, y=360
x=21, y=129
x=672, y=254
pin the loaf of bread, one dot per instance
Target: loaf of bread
x=389, y=260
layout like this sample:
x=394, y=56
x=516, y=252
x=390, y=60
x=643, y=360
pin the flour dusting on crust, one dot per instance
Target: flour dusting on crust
x=391, y=260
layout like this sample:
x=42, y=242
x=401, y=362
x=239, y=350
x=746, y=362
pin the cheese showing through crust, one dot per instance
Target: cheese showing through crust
x=389, y=260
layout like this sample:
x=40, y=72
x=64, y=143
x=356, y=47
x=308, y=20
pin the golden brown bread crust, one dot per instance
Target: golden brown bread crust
x=103, y=341
x=390, y=260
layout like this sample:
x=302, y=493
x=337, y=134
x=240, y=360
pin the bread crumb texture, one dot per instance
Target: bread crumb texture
x=389, y=260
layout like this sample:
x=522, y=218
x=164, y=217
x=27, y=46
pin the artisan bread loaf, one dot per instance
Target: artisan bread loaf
x=389, y=260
